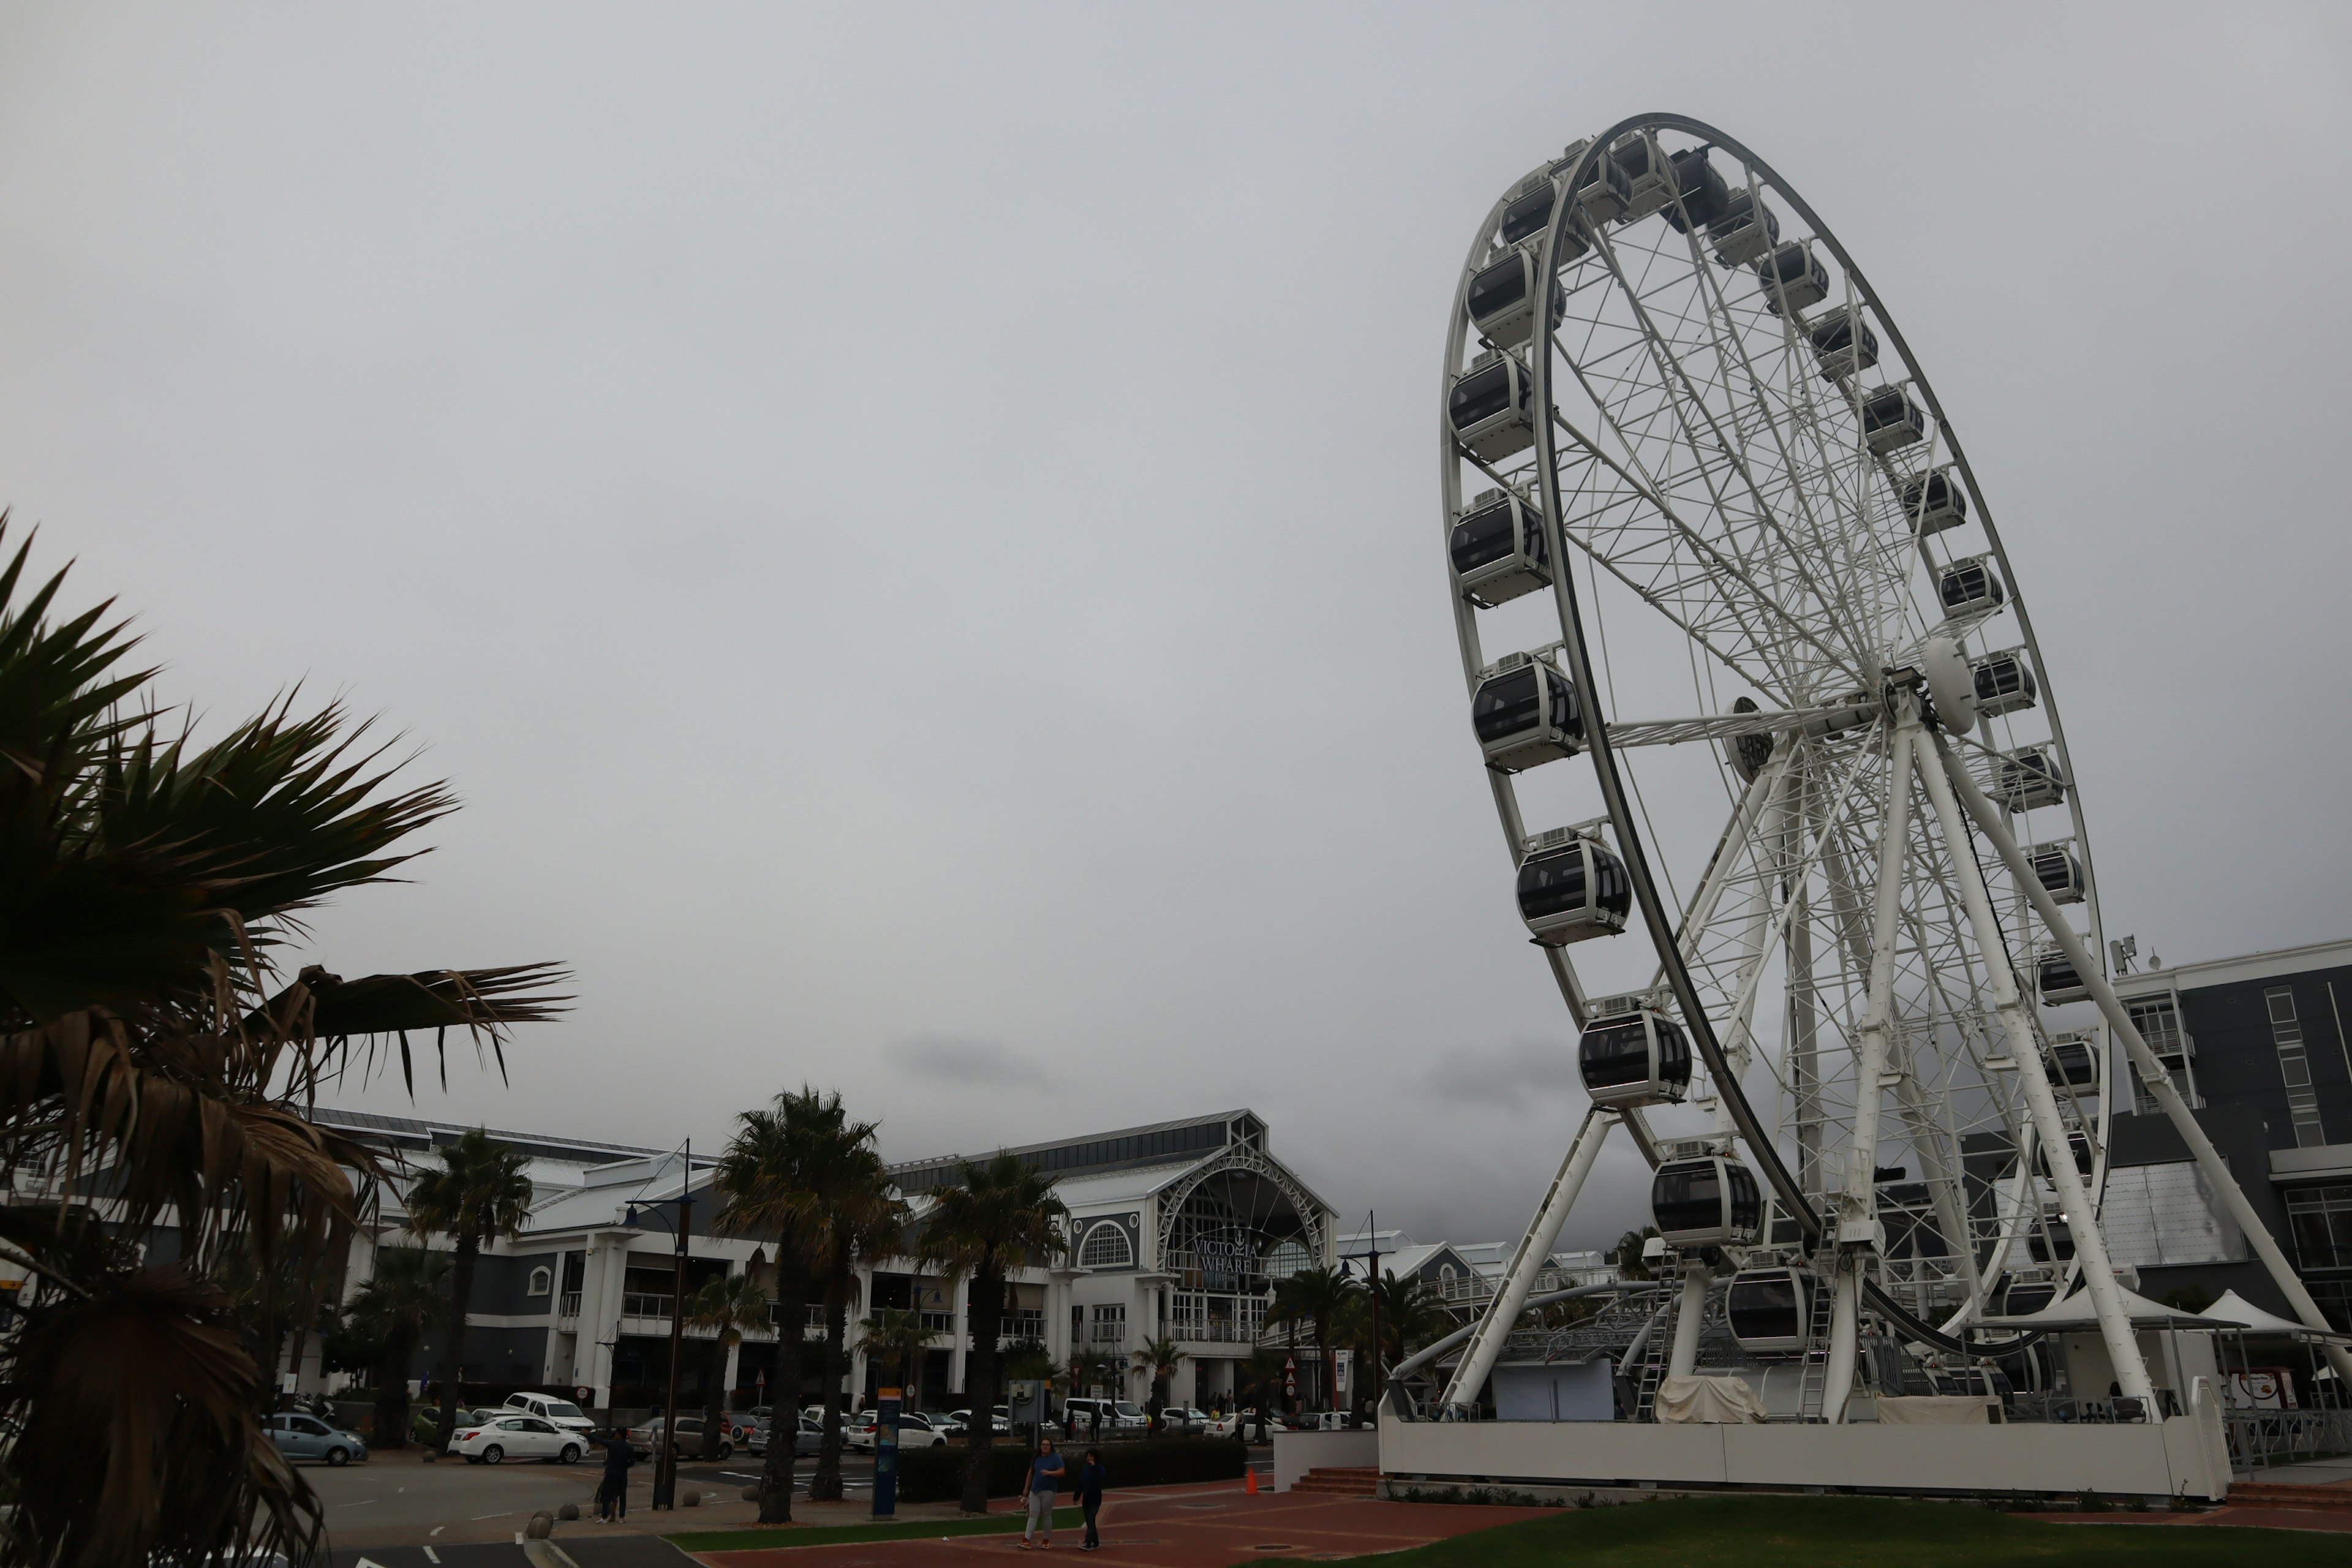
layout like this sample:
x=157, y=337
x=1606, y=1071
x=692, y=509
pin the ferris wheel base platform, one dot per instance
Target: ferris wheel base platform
x=2181, y=1456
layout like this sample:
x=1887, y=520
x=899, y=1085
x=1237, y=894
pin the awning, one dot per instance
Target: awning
x=2074, y=1313
x=2234, y=1310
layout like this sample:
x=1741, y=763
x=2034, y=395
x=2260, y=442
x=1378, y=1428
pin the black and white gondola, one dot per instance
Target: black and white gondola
x=1497, y=549
x=1970, y=585
x=1933, y=501
x=1794, y=279
x=1487, y=407
x=1634, y=1058
x=1650, y=180
x=2004, y=682
x=1525, y=714
x=1769, y=1310
x=1571, y=887
x=1745, y=230
x=1843, y=345
x=2057, y=979
x=1502, y=296
x=1703, y=193
x=1710, y=1201
x=2027, y=778
x=2058, y=871
x=1891, y=420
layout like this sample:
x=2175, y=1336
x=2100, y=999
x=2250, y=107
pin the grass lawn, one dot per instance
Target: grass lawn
x=833, y=1534
x=1768, y=1532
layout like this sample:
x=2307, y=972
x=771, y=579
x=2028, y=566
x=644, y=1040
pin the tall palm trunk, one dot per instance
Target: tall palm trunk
x=453, y=1358
x=784, y=1396
x=1331, y=1362
x=391, y=1389
x=714, y=1368
x=987, y=1314
x=825, y=1485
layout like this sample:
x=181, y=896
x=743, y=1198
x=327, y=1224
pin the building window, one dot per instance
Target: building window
x=2333, y=1299
x=2295, y=1067
x=1106, y=1247
x=1110, y=1325
x=2321, y=1221
x=2158, y=1022
x=542, y=1281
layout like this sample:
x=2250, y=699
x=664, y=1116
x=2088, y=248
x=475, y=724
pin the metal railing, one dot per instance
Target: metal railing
x=569, y=1306
x=1106, y=1333
x=2259, y=1438
x=646, y=1306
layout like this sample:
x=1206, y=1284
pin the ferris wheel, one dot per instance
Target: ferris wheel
x=1751, y=676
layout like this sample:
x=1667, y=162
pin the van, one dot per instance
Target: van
x=1102, y=1418
x=554, y=1411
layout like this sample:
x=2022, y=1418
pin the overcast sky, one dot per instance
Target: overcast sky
x=914, y=530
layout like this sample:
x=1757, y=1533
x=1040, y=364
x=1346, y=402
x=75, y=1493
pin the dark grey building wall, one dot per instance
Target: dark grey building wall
x=2237, y=1056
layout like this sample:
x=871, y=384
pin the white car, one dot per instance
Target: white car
x=519, y=1438
x=553, y=1411
x=914, y=1432
x=1224, y=1426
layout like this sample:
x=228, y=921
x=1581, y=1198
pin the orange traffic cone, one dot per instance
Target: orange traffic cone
x=1249, y=1482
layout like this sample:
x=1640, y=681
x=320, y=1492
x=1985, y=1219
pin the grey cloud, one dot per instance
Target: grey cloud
x=1510, y=1075
x=985, y=1064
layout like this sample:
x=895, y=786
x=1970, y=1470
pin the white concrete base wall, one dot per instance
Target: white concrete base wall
x=1295, y=1453
x=2183, y=1455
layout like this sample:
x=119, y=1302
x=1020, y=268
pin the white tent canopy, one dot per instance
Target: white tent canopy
x=2076, y=1312
x=2235, y=1311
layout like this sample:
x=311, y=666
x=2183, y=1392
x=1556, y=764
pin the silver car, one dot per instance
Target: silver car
x=300, y=1437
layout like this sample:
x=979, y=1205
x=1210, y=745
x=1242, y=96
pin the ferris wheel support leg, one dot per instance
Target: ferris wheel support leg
x=1535, y=1250
x=2144, y=1061
x=1857, y=1232
x=2090, y=1242
x=1845, y=1335
x=1688, y=1320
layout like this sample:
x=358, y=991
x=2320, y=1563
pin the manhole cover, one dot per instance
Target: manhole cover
x=1273, y=1546
x=1203, y=1506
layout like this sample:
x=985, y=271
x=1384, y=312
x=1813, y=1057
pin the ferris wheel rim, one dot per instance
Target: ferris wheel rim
x=1661, y=923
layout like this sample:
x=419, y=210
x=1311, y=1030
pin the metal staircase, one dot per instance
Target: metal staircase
x=1657, y=1351
x=1815, y=1375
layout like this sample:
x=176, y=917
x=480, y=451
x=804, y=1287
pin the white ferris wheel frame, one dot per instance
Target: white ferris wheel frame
x=1909, y=750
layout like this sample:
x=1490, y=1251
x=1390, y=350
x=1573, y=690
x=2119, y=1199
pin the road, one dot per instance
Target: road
x=395, y=1500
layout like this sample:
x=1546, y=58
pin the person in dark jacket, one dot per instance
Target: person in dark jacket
x=612, y=1492
x=1089, y=1485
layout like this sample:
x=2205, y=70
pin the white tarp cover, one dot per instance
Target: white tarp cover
x=2239, y=1312
x=2075, y=1311
x=1572, y=1390
x=1934, y=1409
x=1716, y=1400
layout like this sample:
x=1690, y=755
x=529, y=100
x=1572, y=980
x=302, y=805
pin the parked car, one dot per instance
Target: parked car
x=1183, y=1418
x=961, y=1419
x=425, y=1421
x=1224, y=1426
x=1085, y=1417
x=300, y=1437
x=688, y=1441
x=915, y=1431
x=514, y=1436
x=555, y=1412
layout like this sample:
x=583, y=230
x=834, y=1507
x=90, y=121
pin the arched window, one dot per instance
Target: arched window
x=542, y=1281
x=1106, y=1247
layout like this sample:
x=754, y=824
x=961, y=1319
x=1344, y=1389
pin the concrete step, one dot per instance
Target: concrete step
x=1340, y=1481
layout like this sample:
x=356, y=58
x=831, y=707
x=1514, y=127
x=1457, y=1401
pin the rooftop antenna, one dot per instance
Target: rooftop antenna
x=2123, y=950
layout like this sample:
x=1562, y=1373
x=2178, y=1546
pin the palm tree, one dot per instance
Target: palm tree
x=1159, y=1358
x=479, y=1193
x=898, y=1334
x=150, y=1030
x=1263, y=1375
x=1410, y=1316
x=769, y=1183
x=998, y=1217
x=727, y=1306
x=393, y=1306
x=1627, y=1254
x=1316, y=1297
x=862, y=1219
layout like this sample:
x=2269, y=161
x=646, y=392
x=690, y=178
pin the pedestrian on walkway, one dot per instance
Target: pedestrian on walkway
x=1089, y=1489
x=612, y=1492
x=1045, y=1484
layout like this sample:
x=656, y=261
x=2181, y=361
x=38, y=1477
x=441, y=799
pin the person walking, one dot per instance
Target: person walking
x=1045, y=1484
x=612, y=1492
x=1089, y=1486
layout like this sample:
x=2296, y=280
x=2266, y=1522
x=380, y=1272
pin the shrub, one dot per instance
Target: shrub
x=935, y=1475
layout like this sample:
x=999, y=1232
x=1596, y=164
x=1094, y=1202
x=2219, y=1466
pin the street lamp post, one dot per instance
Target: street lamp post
x=666, y=1456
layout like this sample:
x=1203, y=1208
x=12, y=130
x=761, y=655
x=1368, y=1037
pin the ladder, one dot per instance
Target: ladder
x=1656, y=1352
x=1815, y=1375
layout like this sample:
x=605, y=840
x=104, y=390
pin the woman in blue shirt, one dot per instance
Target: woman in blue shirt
x=1044, y=1481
